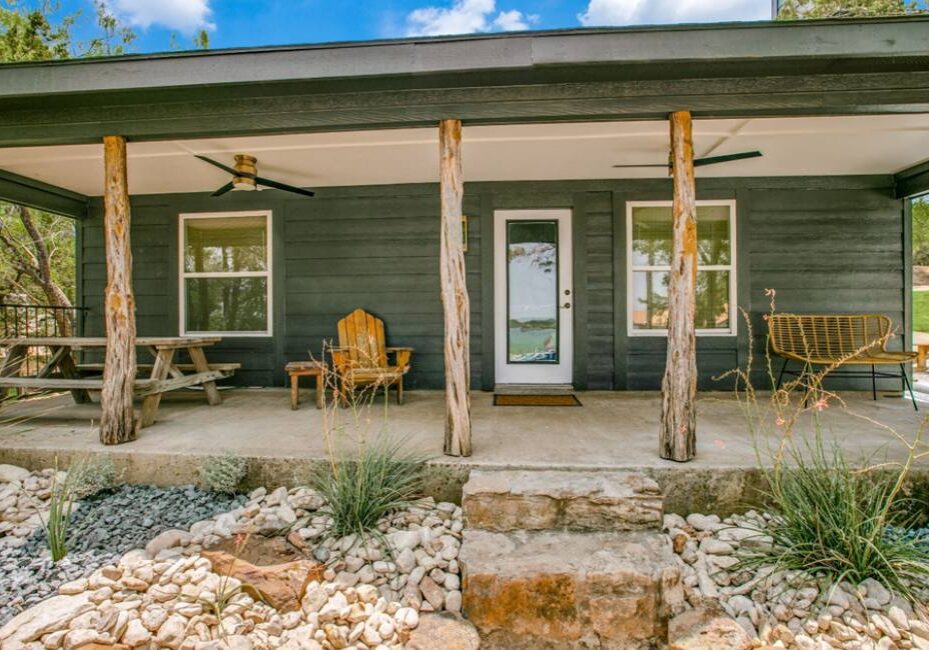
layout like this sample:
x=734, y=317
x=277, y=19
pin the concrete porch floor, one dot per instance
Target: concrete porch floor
x=611, y=430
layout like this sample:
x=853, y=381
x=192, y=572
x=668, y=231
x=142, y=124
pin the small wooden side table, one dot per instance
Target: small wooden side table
x=297, y=369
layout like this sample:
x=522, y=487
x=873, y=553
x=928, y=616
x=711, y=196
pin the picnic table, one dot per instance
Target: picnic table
x=62, y=372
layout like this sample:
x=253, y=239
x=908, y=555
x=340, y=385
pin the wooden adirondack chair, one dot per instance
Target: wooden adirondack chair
x=362, y=356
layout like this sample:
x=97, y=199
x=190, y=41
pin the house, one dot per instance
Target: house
x=566, y=191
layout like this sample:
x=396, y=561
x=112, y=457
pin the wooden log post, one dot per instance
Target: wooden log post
x=455, y=304
x=117, y=424
x=677, y=434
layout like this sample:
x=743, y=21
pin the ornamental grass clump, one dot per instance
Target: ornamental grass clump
x=830, y=519
x=85, y=477
x=369, y=474
x=362, y=488
x=830, y=516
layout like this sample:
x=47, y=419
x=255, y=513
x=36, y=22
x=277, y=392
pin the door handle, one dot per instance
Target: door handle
x=567, y=305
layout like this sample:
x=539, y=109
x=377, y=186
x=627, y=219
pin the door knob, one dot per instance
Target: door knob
x=567, y=305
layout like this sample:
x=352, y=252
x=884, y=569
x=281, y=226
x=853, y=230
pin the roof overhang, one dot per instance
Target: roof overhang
x=730, y=70
x=677, y=49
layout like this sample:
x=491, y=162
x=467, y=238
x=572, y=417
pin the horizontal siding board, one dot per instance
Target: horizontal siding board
x=829, y=244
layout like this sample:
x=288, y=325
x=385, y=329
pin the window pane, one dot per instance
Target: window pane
x=532, y=291
x=227, y=304
x=651, y=235
x=712, y=300
x=650, y=305
x=225, y=244
x=713, y=235
x=650, y=300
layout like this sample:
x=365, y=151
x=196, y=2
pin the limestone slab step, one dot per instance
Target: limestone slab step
x=565, y=590
x=504, y=500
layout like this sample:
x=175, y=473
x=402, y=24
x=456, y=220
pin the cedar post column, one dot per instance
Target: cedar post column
x=455, y=304
x=117, y=424
x=679, y=386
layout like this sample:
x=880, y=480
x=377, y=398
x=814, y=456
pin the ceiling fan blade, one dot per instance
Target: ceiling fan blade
x=712, y=160
x=665, y=166
x=229, y=170
x=267, y=182
x=225, y=188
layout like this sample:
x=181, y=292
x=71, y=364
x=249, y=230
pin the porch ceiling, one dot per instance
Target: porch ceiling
x=877, y=144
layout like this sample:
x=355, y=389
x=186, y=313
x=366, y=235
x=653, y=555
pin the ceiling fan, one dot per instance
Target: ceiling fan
x=245, y=177
x=701, y=162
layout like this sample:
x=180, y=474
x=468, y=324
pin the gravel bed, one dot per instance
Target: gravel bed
x=103, y=527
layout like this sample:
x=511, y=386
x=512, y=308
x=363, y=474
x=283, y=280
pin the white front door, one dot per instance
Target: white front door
x=533, y=295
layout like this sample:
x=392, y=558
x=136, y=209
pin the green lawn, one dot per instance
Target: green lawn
x=921, y=311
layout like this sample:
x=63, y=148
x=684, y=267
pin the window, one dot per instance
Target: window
x=225, y=273
x=648, y=254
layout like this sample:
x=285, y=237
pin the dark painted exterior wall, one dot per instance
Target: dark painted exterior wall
x=828, y=244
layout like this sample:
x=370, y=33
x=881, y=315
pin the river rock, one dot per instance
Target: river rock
x=48, y=615
x=706, y=628
x=443, y=631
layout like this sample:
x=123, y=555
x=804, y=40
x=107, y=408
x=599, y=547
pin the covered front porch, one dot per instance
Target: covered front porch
x=612, y=430
x=419, y=176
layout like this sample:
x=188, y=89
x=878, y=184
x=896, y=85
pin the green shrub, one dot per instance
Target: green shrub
x=91, y=475
x=830, y=519
x=223, y=473
x=361, y=488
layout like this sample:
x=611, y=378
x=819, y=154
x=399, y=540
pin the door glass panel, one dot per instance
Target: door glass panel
x=532, y=291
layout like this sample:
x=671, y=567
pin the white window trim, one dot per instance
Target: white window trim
x=731, y=267
x=184, y=275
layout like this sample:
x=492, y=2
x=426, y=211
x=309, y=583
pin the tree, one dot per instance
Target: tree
x=920, y=213
x=794, y=9
x=37, y=262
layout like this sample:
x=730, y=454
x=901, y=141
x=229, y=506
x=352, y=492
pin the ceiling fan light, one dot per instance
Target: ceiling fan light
x=241, y=184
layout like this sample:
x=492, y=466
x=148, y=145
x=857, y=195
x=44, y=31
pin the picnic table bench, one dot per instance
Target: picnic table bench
x=839, y=340
x=62, y=372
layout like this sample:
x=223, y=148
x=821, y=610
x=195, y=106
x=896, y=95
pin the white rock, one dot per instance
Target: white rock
x=403, y=539
x=10, y=473
x=166, y=540
x=705, y=522
x=876, y=590
x=48, y=615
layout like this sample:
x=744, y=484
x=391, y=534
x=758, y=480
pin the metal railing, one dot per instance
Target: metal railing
x=21, y=321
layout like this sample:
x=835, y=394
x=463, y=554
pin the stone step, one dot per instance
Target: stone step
x=504, y=500
x=566, y=590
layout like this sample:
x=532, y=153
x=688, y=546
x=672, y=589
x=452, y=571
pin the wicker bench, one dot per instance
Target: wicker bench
x=838, y=340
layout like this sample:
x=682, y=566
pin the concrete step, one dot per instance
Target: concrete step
x=505, y=500
x=567, y=590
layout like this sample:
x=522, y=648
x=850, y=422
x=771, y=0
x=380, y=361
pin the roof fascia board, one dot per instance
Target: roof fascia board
x=828, y=41
x=42, y=196
x=912, y=181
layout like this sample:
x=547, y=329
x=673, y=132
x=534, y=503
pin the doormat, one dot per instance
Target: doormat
x=536, y=400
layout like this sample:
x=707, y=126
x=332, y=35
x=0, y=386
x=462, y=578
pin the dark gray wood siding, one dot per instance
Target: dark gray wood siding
x=831, y=244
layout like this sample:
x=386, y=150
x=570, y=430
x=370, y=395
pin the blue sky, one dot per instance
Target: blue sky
x=233, y=23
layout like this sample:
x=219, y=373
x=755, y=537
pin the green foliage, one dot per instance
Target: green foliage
x=30, y=35
x=361, y=488
x=21, y=275
x=86, y=476
x=921, y=311
x=223, y=473
x=830, y=519
x=794, y=9
x=920, y=212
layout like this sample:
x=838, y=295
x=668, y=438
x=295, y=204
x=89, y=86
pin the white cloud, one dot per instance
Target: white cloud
x=464, y=17
x=182, y=15
x=638, y=12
